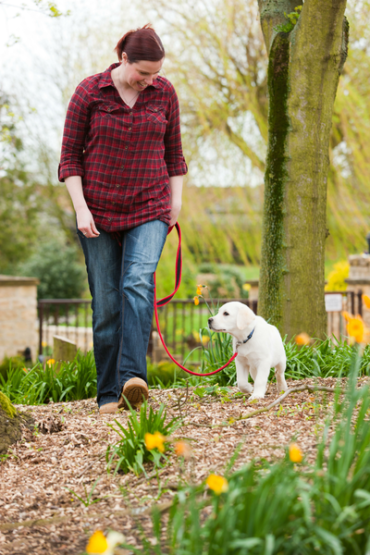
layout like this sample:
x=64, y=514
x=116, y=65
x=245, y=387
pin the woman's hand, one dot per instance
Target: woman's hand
x=175, y=211
x=86, y=224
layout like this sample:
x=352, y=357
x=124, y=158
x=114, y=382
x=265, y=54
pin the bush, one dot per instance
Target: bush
x=57, y=267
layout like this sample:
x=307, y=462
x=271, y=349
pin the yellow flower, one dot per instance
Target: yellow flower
x=346, y=315
x=337, y=278
x=155, y=440
x=356, y=329
x=303, y=339
x=199, y=289
x=50, y=362
x=196, y=301
x=183, y=449
x=97, y=543
x=246, y=286
x=44, y=344
x=216, y=483
x=366, y=300
x=295, y=454
x=25, y=370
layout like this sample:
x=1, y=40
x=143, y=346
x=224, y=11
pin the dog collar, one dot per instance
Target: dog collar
x=246, y=340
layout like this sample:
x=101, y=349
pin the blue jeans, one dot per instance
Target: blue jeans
x=122, y=288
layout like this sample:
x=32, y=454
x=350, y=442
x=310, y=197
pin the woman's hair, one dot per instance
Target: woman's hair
x=142, y=44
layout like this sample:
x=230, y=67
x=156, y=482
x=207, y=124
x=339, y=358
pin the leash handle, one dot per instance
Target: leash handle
x=165, y=300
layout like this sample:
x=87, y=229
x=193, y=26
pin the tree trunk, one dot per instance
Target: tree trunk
x=303, y=74
x=10, y=424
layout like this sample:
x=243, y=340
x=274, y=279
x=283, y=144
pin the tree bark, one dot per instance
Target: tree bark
x=303, y=74
x=10, y=424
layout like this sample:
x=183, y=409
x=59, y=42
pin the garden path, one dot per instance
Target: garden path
x=38, y=512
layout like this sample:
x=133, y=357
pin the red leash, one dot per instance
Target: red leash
x=167, y=299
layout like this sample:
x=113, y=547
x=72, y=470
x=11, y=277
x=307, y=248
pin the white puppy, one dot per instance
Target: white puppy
x=258, y=344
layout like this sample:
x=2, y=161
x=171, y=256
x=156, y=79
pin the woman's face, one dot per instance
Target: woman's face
x=140, y=74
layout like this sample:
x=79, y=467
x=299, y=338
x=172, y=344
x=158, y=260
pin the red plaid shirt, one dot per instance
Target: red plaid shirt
x=124, y=155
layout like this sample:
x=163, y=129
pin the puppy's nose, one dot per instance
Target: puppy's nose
x=210, y=320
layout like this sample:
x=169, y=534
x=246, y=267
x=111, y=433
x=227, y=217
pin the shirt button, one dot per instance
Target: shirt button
x=156, y=109
x=122, y=166
x=117, y=185
x=113, y=202
x=131, y=112
x=109, y=219
x=126, y=147
x=129, y=128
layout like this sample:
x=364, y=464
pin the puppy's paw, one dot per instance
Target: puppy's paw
x=256, y=396
x=246, y=388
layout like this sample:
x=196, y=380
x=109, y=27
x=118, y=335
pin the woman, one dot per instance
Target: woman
x=123, y=166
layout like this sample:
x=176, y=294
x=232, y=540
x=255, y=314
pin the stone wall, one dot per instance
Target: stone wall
x=359, y=278
x=18, y=316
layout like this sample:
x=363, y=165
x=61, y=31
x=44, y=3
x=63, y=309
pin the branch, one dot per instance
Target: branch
x=311, y=388
x=271, y=15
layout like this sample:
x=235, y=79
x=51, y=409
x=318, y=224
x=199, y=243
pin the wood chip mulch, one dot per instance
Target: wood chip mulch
x=39, y=513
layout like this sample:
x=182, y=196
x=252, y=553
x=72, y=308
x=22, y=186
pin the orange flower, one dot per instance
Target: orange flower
x=346, y=315
x=50, y=362
x=356, y=329
x=155, y=440
x=366, y=300
x=303, y=339
x=199, y=289
x=183, y=449
x=216, y=483
x=196, y=301
x=295, y=454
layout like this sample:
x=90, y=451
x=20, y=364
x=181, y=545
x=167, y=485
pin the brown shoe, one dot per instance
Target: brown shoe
x=109, y=408
x=134, y=390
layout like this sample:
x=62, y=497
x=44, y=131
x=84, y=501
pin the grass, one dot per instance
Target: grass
x=77, y=379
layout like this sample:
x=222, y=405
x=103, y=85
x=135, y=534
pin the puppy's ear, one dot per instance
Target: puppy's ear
x=244, y=317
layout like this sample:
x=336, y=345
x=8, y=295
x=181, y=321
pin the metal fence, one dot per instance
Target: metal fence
x=180, y=321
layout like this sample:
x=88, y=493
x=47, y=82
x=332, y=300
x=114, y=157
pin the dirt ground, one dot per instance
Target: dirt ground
x=38, y=512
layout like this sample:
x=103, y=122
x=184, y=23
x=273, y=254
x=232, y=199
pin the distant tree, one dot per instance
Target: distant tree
x=61, y=274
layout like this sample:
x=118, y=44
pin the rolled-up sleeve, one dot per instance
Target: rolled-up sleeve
x=75, y=128
x=174, y=157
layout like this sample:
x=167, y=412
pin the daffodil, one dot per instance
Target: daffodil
x=99, y=544
x=346, y=315
x=218, y=484
x=366, y=300
x=155, y=440
x=303, y=339
x=246, y=286
x=50, y=362
x=196, y=301
x=295, y=454
x=199, y=289
x=356, y=329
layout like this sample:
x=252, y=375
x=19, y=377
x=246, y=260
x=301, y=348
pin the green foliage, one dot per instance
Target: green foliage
x=282, y=508
x=9, y=363
x=227, y=281
x=57, y=267
x=292, y=19
x=163, y=374
x=130, y=453
x=66, y=381
x=89, y=499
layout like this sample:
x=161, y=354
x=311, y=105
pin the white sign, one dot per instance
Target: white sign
x=334, y=303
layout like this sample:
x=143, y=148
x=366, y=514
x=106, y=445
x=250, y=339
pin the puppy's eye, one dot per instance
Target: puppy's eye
x=226, y=314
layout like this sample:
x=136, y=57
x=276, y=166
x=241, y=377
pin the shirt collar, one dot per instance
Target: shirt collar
x=107, y=81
